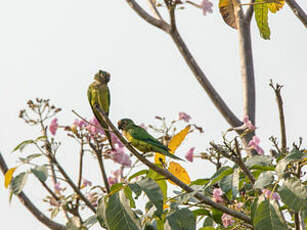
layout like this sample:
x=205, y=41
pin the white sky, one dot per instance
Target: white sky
x=51, y=49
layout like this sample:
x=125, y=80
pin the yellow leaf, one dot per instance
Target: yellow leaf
x=8, y=177
x=159, y=157
x=178, y=171
x=276, y=6
x=227, y=12
x=165, y=206
x=178, y=139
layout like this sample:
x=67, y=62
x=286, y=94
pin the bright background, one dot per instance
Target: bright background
x=51, y=49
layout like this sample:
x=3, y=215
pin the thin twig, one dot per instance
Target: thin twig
x=30, y=206
x=236, y=158
x=80, y=170
x=170, y=176
x=148, y=18
x=101, y=166
x=298, y=11
x=72, y=185
x=154, y=10
x=277, y=89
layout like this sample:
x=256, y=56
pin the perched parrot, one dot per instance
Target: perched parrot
x=142, y=140
x=98, y=93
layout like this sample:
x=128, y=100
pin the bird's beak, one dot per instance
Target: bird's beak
x=119, y=125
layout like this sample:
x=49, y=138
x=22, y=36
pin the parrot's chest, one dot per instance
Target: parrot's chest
x=140, y=145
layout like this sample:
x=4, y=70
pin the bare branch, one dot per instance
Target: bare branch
x=277, y=89
x=236, y=158
x=247, y=65
x=170, y=176
x=298, y=11
x=148, y=18
x=204, y=82
x=72, y=185
x=30, y=206
x=101, y=166
x=154, y=10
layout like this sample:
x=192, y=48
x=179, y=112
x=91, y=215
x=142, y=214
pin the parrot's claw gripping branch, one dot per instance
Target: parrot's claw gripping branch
x=202, y=198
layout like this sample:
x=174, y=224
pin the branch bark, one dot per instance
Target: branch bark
x=30, y=206
x=168, y=175
x=298, y=11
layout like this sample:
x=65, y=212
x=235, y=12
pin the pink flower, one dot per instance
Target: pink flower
x=248, y=124
x=86, y=183
x=217, y=195
x=95, y=128
x=115, y=141
x=254, y=144
x=189, y=155
x=53, y=126
x=268, y=194
x=79, y=123
x=119, y=156
x=117, y=173
x=112, y=180
x=206, y=7
x=227, y=220
x=57, y=187
x=93, y=198
x=184, y=116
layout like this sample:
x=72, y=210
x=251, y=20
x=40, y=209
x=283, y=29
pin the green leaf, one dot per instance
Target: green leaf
x=22, y=145
x=264, y=179
x=100, y=213
x=128, y=194
x=226, y=183
x=41, y=172
x=208, y=222
x=153, y=192
x=89, y=222
x=254, y=208
x=139, y=173
x=118, y=214
x=235, y=182
x=259, y=160
x=200, y=182
x=29, y=158
x=136, y=189
x=217, y=216
x=220, y=174
x=201, y=212
x=180, y=219
x=117, y=187
x=19, y=182
x=207, y=228
x=160, y=180
x=261, y=15
x=294, y=156
x=294, y=194
x=266, y=217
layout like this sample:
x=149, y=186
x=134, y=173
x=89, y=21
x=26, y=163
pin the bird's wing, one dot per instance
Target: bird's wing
x=103, y=97
x=141, y=134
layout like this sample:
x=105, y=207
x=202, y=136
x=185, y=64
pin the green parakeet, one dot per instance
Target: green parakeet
x=98, y=93
x=142, y=140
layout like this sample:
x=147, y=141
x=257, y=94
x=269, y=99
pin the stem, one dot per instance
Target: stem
x=277, y=89
x=30, y=206
x=73, y=186
x=202, y=198
x=80, y=170
x=154, y=10
x=101, y=166
x=298, y=11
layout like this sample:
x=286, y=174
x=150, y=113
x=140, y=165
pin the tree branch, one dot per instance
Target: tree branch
x=154, y=10
x=72, y=185
x=198, y=73
x=277, y=89
x=101, y=166
x=148, y=18
x=298, y=11
x=170, y=176
x=249, y=12
x=30, y=206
